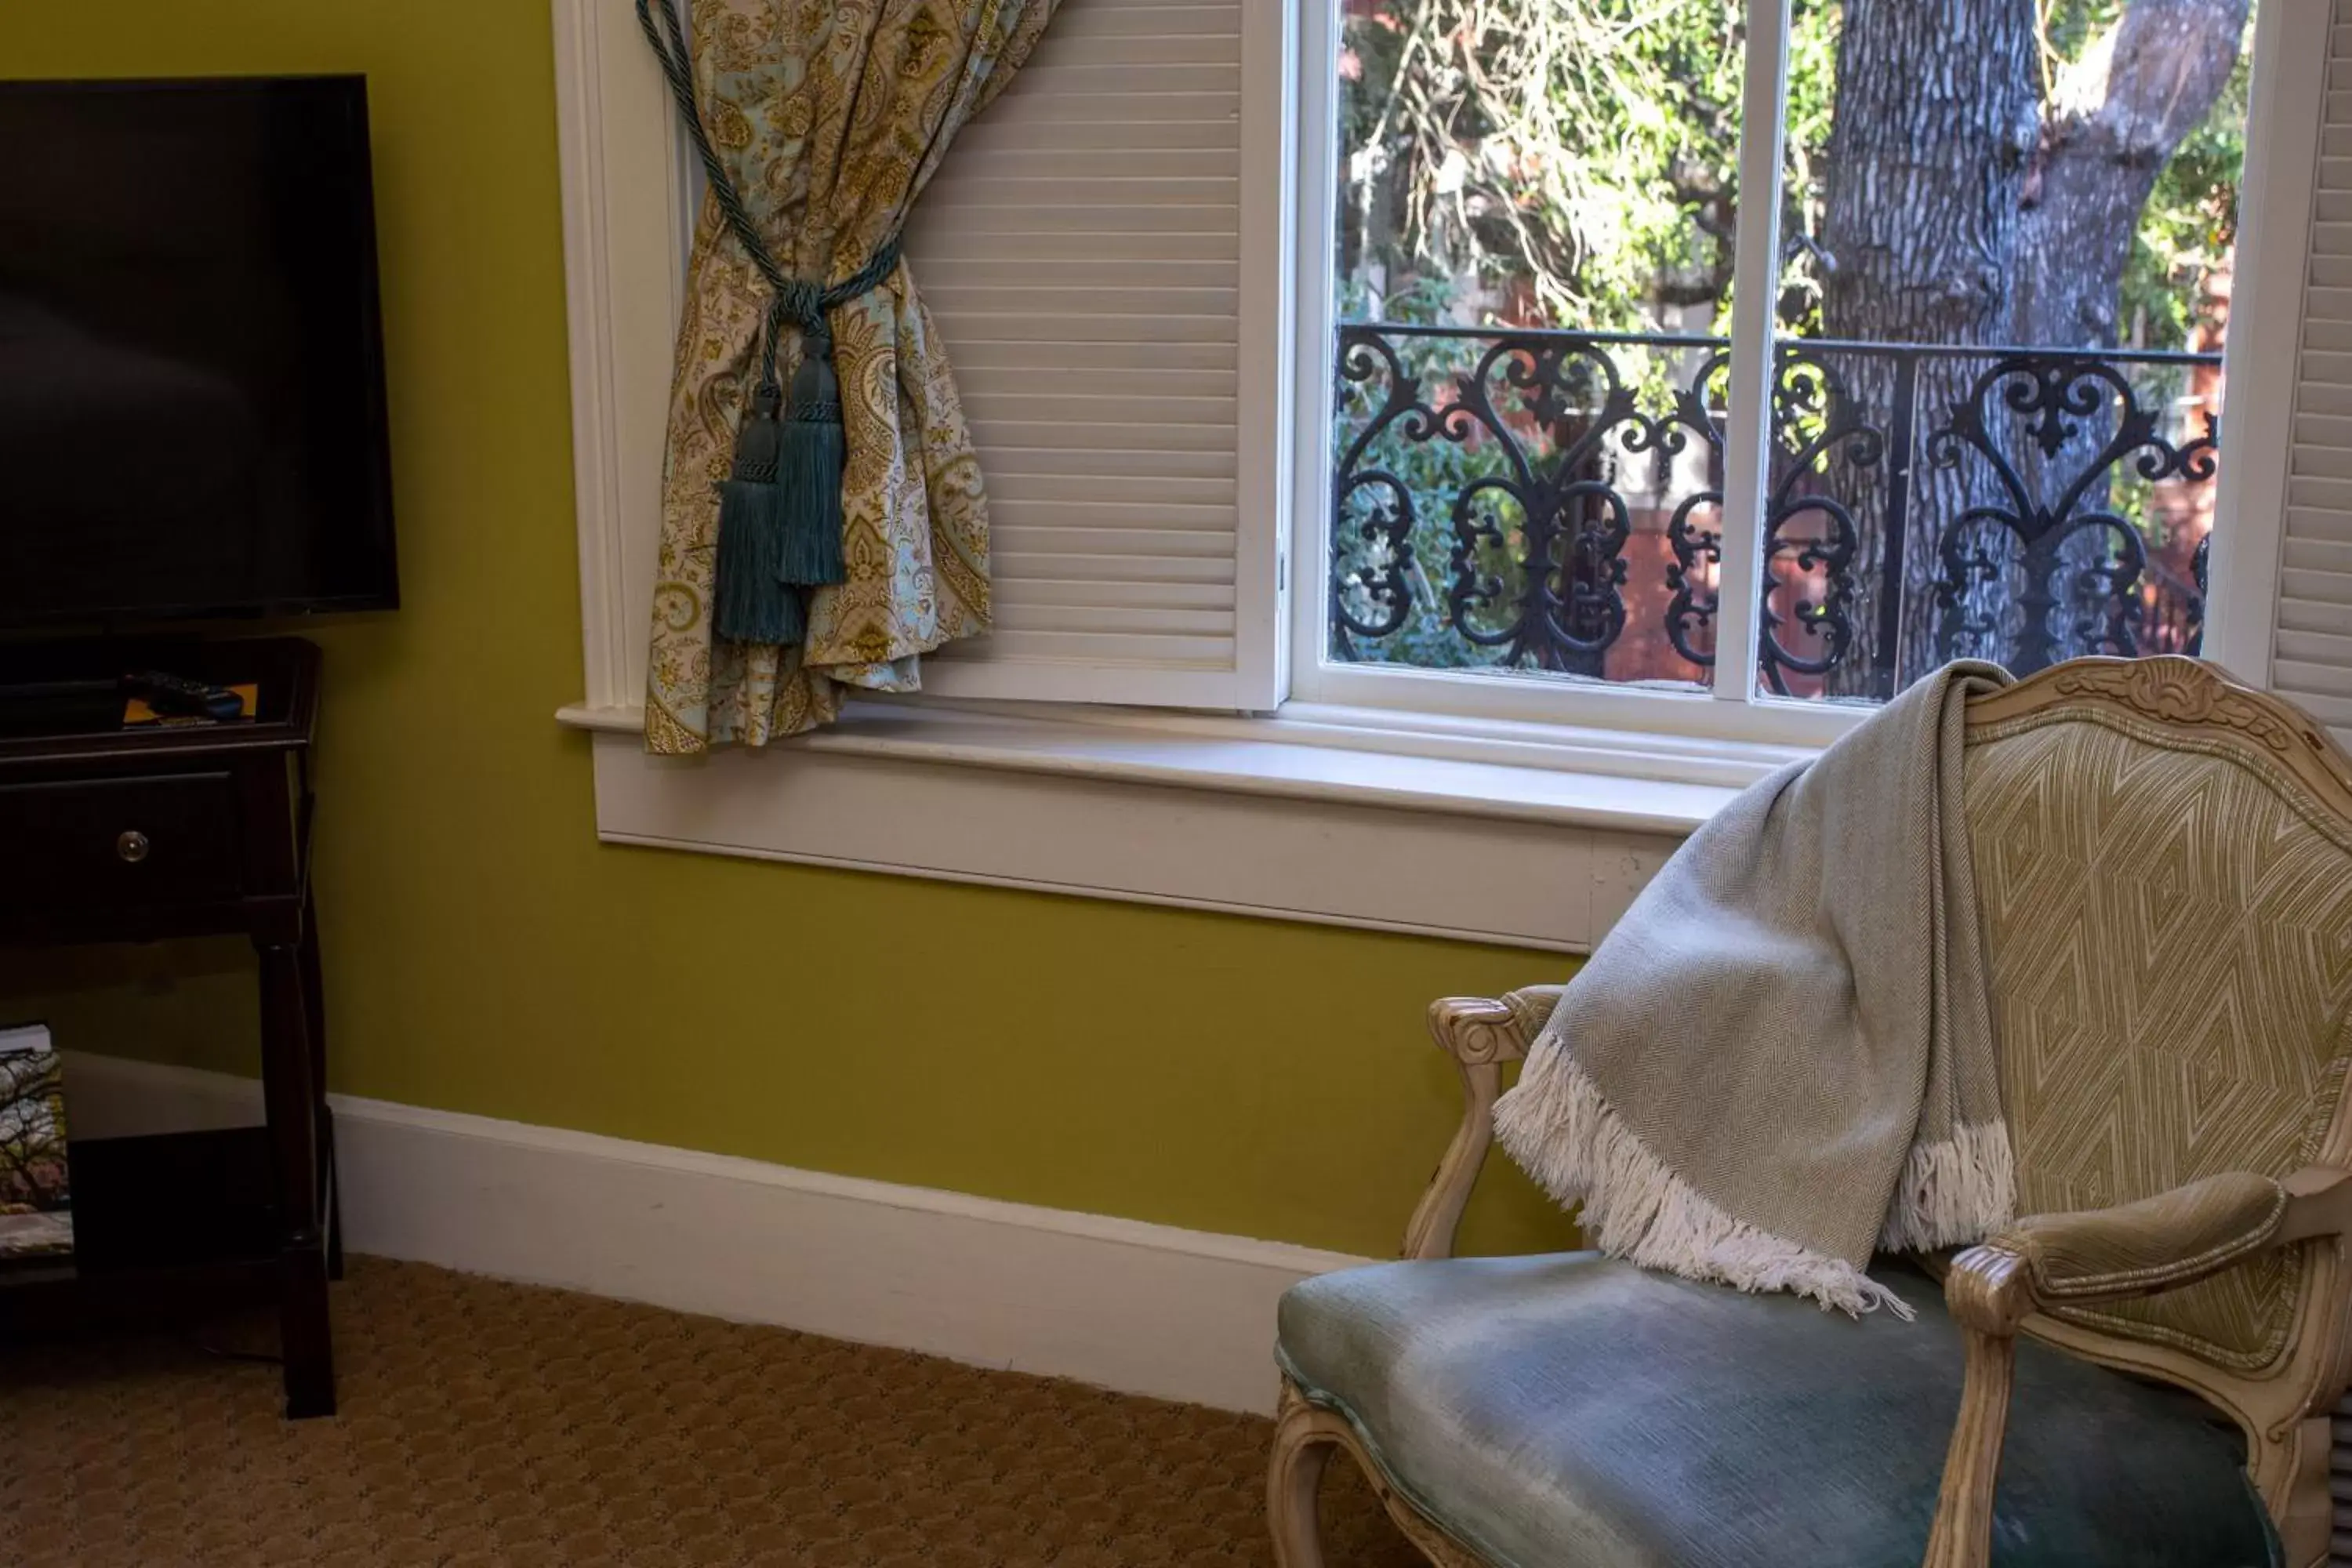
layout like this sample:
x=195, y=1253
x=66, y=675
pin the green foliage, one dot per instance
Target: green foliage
x=1464, y=466
x=2189, y=226
x=1812, y=96
x=1576, y=162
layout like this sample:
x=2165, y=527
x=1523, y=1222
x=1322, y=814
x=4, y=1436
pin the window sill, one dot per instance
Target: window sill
x=1529, y=835
x=1637, y=783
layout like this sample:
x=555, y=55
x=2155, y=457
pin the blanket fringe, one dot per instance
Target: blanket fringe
x=1560, y=1131
x=1953, y=1193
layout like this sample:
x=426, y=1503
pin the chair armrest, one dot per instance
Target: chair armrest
x=1531, y=1008
x=1480, y=1035
x=2156, y=1244
x=2172, y=1239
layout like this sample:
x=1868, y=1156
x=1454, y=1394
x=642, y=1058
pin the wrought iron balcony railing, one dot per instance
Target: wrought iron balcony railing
x=1553, y=501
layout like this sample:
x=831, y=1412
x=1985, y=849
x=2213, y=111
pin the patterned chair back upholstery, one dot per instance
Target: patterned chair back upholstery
x=2164, y=873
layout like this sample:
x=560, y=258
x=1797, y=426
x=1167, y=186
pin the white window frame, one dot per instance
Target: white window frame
x=2289, y=49
x=1511, y=810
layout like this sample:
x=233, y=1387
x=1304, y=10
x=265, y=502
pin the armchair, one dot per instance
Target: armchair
x=2138, y=1372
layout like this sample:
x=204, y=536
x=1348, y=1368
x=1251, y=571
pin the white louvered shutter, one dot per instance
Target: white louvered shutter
x=1083, y=251
x=2312, y=651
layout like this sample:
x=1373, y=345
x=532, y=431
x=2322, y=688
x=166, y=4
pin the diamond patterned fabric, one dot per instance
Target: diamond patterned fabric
x=2168, y=925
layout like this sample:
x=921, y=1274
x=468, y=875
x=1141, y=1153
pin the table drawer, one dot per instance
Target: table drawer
x=162, y=839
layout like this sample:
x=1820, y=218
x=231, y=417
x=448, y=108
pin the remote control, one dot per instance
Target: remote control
x=176, y=696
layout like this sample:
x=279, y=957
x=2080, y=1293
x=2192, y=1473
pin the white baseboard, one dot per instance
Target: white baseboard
x=1144, y=1309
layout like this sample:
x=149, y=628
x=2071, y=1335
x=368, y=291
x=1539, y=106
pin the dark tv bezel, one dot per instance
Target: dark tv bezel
x=378, y=519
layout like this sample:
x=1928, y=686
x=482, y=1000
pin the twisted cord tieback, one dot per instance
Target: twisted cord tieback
x=791, y=300
x=780, y=519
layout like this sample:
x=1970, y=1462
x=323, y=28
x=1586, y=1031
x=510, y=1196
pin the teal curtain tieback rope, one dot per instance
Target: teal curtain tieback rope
x=780, y=505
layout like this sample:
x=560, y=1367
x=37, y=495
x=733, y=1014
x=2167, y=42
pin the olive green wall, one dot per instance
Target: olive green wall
x=485, y=953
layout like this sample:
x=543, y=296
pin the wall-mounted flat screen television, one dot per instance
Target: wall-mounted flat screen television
x=191, y=404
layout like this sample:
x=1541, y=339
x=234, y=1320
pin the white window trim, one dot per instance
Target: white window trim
x=2264, y=342
x=1511, y=811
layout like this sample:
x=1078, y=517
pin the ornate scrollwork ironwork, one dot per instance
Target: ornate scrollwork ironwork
x=1537, y=503
x=1371, y=573
x=2075, y=551
x=1809, y=533
x=1535, y=567
x=1573, y=520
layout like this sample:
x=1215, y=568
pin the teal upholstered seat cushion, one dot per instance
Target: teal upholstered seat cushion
x=1575, y=1411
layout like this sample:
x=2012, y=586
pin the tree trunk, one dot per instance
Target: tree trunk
x=1961, y=209
x=2115, y=119
x=1936, y=115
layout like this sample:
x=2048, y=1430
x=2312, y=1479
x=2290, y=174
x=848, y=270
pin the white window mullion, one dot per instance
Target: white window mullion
x=1749, y=400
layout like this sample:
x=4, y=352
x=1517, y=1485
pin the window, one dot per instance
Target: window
x=1922, y=359
x=1828, y=333
x=1596, y=367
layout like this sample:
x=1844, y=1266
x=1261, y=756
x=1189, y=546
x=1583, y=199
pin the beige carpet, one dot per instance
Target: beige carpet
x=485, y=1423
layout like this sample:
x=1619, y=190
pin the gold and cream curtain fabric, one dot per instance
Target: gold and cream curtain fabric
x=831, y=116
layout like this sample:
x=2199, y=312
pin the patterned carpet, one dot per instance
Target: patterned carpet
x=493, y=1423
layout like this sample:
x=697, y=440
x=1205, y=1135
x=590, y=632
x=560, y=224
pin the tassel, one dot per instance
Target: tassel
x=755, y=601
x=809, y=462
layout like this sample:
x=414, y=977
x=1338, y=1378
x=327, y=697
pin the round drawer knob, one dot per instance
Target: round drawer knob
x=132, y=845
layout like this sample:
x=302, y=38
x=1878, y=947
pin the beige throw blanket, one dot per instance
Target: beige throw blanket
x=1782, y=1056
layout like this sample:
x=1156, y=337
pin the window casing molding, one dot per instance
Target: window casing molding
x=625, y=209
x=1367, y=796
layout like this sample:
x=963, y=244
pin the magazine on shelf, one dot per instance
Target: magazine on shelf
x=36, y=1197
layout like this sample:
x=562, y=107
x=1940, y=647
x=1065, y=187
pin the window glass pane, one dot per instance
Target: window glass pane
x=1535, y=204
x=2009, y=235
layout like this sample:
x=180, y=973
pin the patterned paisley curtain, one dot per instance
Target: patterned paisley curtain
x=831, y=116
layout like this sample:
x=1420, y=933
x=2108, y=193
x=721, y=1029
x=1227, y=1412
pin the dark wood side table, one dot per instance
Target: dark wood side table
x=115, y=833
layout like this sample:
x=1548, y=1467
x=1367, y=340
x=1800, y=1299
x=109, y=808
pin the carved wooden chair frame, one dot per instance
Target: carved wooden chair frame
x=1989, y=1290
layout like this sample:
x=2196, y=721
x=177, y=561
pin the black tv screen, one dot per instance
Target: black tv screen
x=191, y=408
